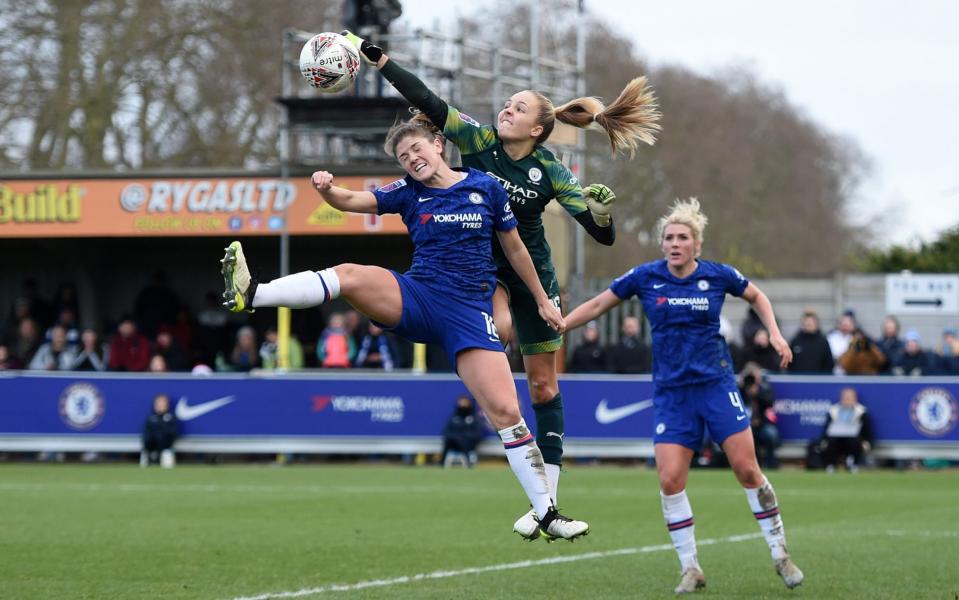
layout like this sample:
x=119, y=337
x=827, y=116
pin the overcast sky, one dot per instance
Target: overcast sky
x=883, y=73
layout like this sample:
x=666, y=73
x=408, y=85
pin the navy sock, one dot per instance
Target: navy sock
x=550, y=429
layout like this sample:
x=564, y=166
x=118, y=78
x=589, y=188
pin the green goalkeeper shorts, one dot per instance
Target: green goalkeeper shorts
x=535, y=334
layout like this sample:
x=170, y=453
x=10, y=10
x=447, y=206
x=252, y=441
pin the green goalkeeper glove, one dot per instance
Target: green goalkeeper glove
x=371, y=53
x=599, y=200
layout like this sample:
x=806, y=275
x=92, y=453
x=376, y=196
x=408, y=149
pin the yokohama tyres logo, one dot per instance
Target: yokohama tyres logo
x=382, y=409
x=459, y=218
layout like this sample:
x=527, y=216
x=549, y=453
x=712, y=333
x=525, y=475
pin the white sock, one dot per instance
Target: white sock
x=300, y=290
x=552, y=477
x=679, y=521
x=527, y=463
x=765, y=507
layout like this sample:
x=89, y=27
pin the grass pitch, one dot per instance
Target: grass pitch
x=221, y=532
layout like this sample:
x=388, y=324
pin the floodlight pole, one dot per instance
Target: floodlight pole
x=534, y=44
x=285, y=89
x=580, y=237
x=283, y=313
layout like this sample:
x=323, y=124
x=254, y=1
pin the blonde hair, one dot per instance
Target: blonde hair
x=418, y=125
x=631, y=118
x=684, y=212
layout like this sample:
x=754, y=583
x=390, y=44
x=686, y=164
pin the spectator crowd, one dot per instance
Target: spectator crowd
x=162, y=334
x=845, y=350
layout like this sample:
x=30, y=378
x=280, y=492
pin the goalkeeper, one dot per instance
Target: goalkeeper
x=512, y=153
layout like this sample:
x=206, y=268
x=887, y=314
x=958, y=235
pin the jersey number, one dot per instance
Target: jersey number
x=737, y=401
x=490, y=326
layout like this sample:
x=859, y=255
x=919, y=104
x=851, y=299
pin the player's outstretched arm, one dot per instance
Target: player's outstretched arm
x=342, y=198
x=518, y=256
x=764, y=308
x=407, y=84
x=592, y=308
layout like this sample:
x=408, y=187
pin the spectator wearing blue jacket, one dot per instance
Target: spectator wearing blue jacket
x=811, y=352
x=376, y=351
x=462, y=433
x=947, y=354
x=913, y=360
x=890, y=343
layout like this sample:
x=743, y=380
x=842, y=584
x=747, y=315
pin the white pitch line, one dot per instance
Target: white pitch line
x=906, y=532
x=215, y=488
x=524, y=564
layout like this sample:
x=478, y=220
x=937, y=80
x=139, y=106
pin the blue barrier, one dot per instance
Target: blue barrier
x=362, y=412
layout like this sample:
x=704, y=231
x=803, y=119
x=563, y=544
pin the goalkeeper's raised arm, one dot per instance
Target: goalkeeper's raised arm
x=407, y=84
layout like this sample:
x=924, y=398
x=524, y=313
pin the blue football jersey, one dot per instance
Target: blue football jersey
x=684, y=318
x=452, y=230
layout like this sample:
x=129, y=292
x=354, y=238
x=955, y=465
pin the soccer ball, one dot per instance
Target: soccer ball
x=329, y=62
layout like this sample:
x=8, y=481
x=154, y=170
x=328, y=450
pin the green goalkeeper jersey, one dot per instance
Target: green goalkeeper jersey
x=531, y=183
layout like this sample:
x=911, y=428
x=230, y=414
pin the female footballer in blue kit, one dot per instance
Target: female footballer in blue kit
x=512, y=151
x=445, y=297
x=682, y=297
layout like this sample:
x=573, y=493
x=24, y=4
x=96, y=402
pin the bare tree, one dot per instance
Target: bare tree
x=775, y=186
x=144, y=83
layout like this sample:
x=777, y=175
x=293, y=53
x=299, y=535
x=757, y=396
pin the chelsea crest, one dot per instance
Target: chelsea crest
x=81, y=406
x=933, y=411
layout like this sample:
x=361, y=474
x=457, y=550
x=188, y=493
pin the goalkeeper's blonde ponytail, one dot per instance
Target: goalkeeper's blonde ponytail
x=633, y=117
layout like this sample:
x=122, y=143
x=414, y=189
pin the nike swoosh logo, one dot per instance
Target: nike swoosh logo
x=425, y=199
x=740, y=417
x=185, y=412
x=656, y=286
x=606, y=415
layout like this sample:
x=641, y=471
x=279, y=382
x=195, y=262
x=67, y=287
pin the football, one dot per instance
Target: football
x=329, y=62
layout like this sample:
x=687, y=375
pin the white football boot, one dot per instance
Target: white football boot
x=691, y=581
x=527, y=526
x=555, y=526
x=790, y=573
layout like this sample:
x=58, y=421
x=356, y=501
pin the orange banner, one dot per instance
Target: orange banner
x=181, y=206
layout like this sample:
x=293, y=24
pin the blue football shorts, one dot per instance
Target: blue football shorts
x=431, y=316
x=682, y=412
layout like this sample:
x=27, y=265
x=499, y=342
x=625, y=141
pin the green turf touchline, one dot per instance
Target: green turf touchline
x=523, y=564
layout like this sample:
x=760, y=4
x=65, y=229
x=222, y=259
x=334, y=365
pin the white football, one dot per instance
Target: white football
x=329, y=62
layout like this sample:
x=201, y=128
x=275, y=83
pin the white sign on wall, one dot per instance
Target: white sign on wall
x=922, y=294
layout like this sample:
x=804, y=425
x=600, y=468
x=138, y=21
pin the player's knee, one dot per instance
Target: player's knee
x=671, y=486
x=672, y=482
x=749, y=475
x=541, y=389
x=347, y=274
x=503, y=415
